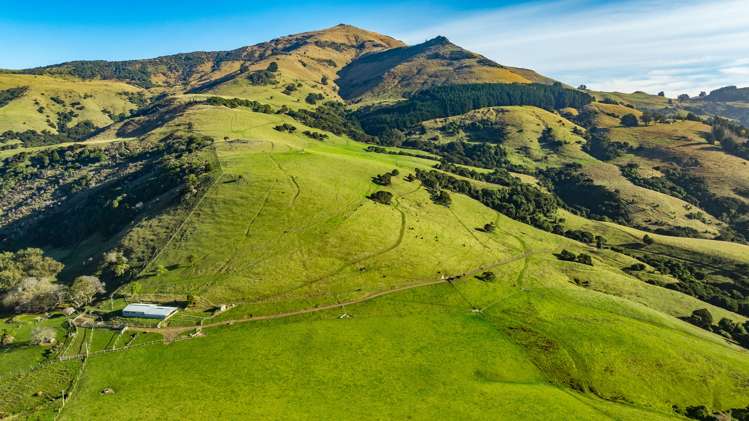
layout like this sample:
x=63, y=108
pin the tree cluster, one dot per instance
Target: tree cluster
x=28, y=283
x=518, y=201
x=578, y=192
x=315, y=135
x=569, y=256
x=332, y=117
x=450, y=100
x=8, y=95
x=239, y=102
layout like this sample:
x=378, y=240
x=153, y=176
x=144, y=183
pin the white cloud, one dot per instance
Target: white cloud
x=649, y=45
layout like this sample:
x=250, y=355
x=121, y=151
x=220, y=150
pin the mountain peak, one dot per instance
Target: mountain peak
x=438, y=40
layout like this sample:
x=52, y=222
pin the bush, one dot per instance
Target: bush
x=43, y=336
x=285, y=127
x=381, y=196
x=312, y=98
x=261, y=77
x=486, y=277
x=568, y=256
x=382, y=179
x=630, y=120
x=315, y=135
x=489, y=227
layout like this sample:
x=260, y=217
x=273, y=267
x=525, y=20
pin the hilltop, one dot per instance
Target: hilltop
x=357, y=228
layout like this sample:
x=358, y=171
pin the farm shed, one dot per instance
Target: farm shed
x=148, y=311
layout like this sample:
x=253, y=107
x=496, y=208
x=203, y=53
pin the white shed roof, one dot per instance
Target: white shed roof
x=149, y=309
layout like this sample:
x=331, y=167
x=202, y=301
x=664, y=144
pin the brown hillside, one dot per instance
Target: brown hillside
x=391, y=73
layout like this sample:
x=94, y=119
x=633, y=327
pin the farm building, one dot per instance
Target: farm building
x=148, y=311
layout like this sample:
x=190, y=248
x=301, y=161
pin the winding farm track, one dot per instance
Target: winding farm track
x=170, y=333
x=346, y=265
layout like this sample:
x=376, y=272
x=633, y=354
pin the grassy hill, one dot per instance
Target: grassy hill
x=46, y=97
x=489, y=254
x=307, y=56
x=572, y=337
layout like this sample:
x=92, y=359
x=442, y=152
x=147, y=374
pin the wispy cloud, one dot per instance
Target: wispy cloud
x=649, y=45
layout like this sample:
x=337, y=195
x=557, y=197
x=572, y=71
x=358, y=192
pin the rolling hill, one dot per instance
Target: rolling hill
x=356, y=228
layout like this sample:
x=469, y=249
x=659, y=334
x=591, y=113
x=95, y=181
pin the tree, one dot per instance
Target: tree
x=382, y=179
x=392, y=137
x=7, y=339
x=116, y=262
x=486, y=276
x=384, y=197
x=26, y=263
x=566, y=255
x=648, y=240
x=629, y=120
x=600, y=241
x=43, y=336
x=584, y=259
x=34, y=295
x=647, y=117
x=84, y=289
x=703, y=94
x=661, y=93
x=312, y=98
x=582, y=87
x=683, y=97
x=273, y=67
x=701, y=318
x=442, y=197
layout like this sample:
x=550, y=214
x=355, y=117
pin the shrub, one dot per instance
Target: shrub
x=568, y=256
x=630, y=120
x=442, y=197
x=261, y=77
x=382, y=179
x=486, y=277
x=489, y=227
x=43, y=336
x=315, y=135
x=381, y=196
x=285, y=127
x=312, y=98
x=289, y=89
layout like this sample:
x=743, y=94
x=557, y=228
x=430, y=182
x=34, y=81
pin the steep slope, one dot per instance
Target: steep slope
x=394, y=72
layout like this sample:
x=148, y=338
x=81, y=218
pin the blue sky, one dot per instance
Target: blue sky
x=651, y=45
